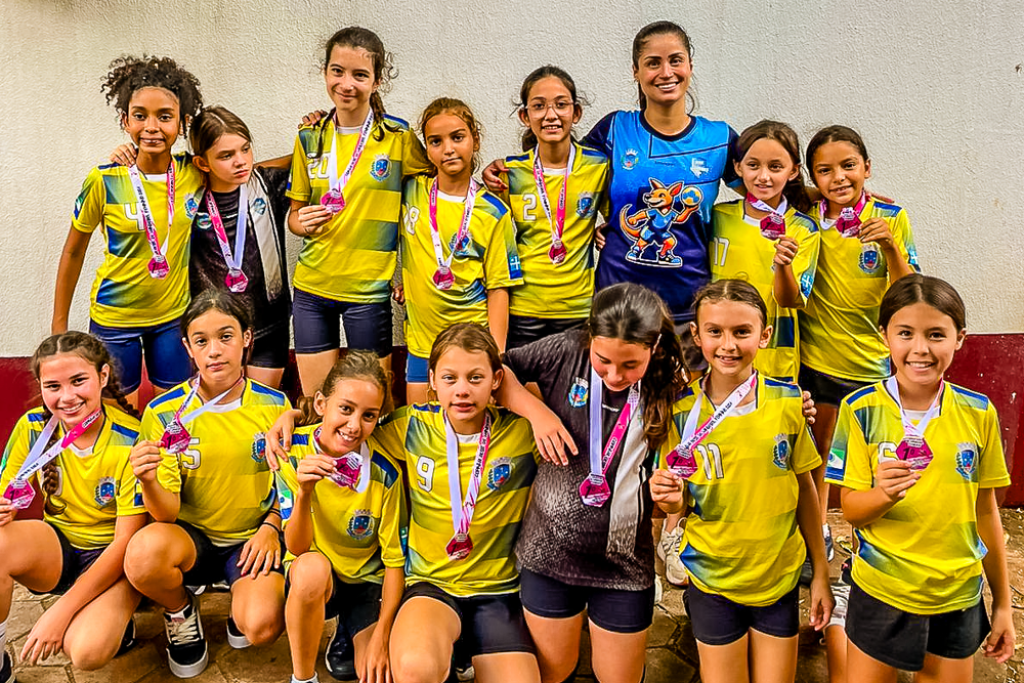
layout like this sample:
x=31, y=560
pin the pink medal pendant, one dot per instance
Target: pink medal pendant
x=333, y=200
x=20, y=493
x=683, y=464
x=175, y=438
x=557, y=253
x=443, y=278
x=594, y=490
x=848, y=223
x=459, y=547
x=236, y=280
x=915, y=452
x=772, y=226
x=346, y=471
x=158, y=267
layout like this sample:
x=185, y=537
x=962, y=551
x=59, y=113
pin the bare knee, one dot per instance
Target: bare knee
x=147, y=554
x=310, y=579
x=410, y=666
x=89, y=656
x=264, y=629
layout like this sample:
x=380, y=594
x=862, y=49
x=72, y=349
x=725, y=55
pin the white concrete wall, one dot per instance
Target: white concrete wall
x=936, y=89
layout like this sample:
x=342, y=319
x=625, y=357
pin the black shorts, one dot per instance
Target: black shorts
x=901, y=639
x=213, y=562
x=826, y=389
x=74, y=562
x=271, y=349
x=618, y=611
x=523, y=330
x=717, y=620
x=357, y=605
x=490, y=623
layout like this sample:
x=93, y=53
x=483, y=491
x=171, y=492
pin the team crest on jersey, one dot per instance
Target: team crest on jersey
x=649, y=228
x=585, y=205
x=412, y=214
x=966, y=460
x=259, y=447
x=360, y=525
x=380, y=168
x=203, y=221
x=259, y=206
x=870, y=259
x=191, y=206
x=629, y=159
x=781, y=452
x=105, y=491
x=499, y=474
x=578, y=393
x=698, y=167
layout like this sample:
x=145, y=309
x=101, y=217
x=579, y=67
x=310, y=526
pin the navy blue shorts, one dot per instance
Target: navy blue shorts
x=213, y=562
x=827, y=389
x=523, y=330
x=490, y=623
x=357, y=605
x=317, y=329
x=901, y=639
x=618, y=611
x=417, y=369
x=74, y=562
x=167, y=362
x=717, y=620
x=271, y=349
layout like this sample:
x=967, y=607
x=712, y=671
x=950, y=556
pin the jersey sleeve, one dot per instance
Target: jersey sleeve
x=904, y=238
x=129, y=492
x=730, y=177
x=414, y=157
x=299, y=188
x=168, y=473
x=538, y=359
x=805, y=265
x=805, y=455
x=393, y=521
x=276, y=181
x=18, y=446
x=992, y=466
x=391, y=434
x=600, y=136
x=89, y=205
x=501, y=261
x=849, y=460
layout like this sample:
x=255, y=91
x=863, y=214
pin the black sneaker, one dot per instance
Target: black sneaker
x=187, y=653
x=127, y=640
x=7, y=670
x=236, y=638
x=340, y=658
x=463, y=666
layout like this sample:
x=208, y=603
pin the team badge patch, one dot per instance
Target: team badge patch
x=204, y=222
x=698, y=167
x=869, y=258
x=105, y=491
x=629, y=159
x=781, y=452
x=578, y=393
x=585, y=205
x=259, y=206
x=499, y=474
x=966, y=460
x=191, y=206
x=259, y=447
x=360, y=525
x=380, y=168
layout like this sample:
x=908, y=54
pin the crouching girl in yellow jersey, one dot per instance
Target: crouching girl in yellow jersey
x=206, y=482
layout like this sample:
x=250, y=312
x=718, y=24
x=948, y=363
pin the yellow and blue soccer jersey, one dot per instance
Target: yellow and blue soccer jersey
x=487, y=259
x=96, y=487
x=353, y=257
x=741, y=539
x=360, y=533
x=123, y=293
x=924, y=555
x=549, y=290
x=839, y=327
x=417, y=435
x=739, y=251
x=225, y=484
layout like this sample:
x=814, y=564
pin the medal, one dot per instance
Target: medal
x=235, y=280
x=351, y=470
x=594, y=490
x=157, y=265
x=461, y=545
x=913, y=449
x=773, y=226
x=443, y=277
x=558, y=252
x=848, y=223
x=176, y=437
x=334, y=199
x=681, y=459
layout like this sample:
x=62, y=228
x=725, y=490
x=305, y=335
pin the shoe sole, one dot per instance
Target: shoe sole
x=466, y=674
x=239, y=641
x=189, y=670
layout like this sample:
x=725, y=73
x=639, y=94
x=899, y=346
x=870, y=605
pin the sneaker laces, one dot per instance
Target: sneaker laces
x=184, y=631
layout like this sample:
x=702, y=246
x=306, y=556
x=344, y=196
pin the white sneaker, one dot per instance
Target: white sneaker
x=668, y=551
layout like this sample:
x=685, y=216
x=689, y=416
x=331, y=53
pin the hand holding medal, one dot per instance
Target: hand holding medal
x=913, y=449
x=176, y=437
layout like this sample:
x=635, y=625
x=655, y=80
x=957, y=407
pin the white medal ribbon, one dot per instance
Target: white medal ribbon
x=444, y=265
x=909, y=428
x=692, y=435
x=463, y=508
x=338, y=185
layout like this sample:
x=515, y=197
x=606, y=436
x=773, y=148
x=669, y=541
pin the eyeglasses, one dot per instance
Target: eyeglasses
x=561, y=107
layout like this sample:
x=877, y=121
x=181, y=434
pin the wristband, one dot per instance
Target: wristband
x=265, y=523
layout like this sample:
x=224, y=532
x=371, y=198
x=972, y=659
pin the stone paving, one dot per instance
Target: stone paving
x=671, y=655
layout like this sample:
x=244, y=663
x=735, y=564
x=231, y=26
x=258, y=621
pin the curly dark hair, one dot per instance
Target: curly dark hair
x=128, y=74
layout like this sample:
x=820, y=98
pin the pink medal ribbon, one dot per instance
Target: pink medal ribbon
x=557, y=252
x=334, y=199
x=176, y=438
x=848, y=223
x=443, y=276
x=20, y=491
x=913, y=449
x=351, y=470
x=461, y=544
x=594, y=490
x=681, y=459
x=773, y=226
x=158, y=267
x=235, y=280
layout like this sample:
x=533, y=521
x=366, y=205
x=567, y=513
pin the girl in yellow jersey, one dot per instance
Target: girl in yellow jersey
x=743, y=470
x=459, y=255
x=919, y=460
x=345, y=188
x=146, y=211
x=77, y=448
x=554, y=191
x=344, y=528
x=205, y=481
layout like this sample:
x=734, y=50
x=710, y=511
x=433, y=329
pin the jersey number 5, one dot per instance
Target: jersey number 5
x=190, y=456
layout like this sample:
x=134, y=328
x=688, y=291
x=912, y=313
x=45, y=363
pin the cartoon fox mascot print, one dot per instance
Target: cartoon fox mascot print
x=653, y=225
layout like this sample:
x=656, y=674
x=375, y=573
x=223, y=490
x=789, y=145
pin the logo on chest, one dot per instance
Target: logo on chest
x=360, y=525
x=105, y=491
x=499, y=474
x=578, y=393
x=966, y=460
x=259, y=447
x=380, y=168
x=781, y=452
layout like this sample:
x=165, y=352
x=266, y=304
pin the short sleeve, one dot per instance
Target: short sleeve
x=849, y=460
x=992, y=471
x=168, y=473
x=904, y=237
x=501, y=260
x=90, y=202
x=805, y=455
x=600, y=136
x=15, y=452
x=730, y=177
x=391, y=434
x=538, y=360
x=414, y=157
x=299, y=188
x=129, y=492
x=805, y=265
x=393, y=520
x=276, y=181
